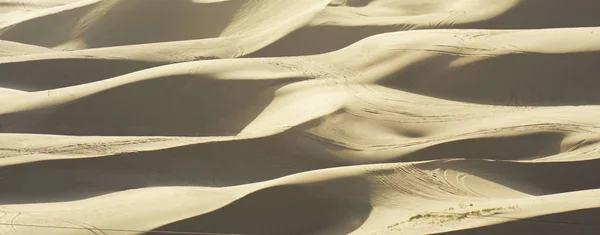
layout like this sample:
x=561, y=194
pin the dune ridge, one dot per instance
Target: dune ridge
x=299, y=117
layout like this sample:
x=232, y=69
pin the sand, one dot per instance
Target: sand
x=323, y=117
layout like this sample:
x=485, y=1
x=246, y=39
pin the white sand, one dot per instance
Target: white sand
x=299, y=117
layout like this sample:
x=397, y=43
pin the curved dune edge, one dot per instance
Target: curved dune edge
x=249, y=32
x=345, y=199
x=299, y=117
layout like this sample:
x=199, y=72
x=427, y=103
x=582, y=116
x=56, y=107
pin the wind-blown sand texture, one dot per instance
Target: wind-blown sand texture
x=325, y=117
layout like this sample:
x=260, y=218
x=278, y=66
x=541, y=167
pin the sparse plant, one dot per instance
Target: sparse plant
x=449, y=214
x=206, y=58
x=393, y=225
x=443, y=217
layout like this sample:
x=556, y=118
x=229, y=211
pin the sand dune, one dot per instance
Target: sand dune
x=299, y=117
